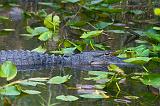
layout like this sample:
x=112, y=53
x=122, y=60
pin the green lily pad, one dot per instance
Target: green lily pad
x=59, y=79
x=10, y=90
x=138, y=60
x=67, y=98
x=8, y=70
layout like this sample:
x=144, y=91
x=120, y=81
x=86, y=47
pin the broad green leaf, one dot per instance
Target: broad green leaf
x=67, y=98
x=59, y=79
x=99, y=46
x=40, y=49
x=151, y=79
x=92, y=96
x=137, y=12
x=68, y=51
x=4, y=18
x=153, y=36
x=42, y=12
x=31, y=83
x=70, y=1
x=46, y=4
x=115, y=68
x=8, y=70
x=100, y=86
x=52, y=21
x=39, y=30
x=111, y=1
x=156, y=48
x=8, y=30
x=45, y=36
x=156, y=28
x=29, y=29
x=93, y=2
x=39, y=79
x=10, y=90
x=157, y=11
x=116, y=31
x=138, y=60
x=31, y=92
x=91, y=34
x=97, y=73
x=141, y=51
x=102, y=25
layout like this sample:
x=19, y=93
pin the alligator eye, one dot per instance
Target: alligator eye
x=108, y=54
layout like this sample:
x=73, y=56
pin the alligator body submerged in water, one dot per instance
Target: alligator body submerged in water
x=24, y=59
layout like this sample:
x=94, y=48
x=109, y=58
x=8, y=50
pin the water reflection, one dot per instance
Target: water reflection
x=49, y=92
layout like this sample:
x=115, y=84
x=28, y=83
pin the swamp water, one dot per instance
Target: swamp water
x=147, y=96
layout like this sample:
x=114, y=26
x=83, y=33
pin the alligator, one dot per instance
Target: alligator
x=24, y=59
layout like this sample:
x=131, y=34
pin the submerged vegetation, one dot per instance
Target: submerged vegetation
x=66, y=27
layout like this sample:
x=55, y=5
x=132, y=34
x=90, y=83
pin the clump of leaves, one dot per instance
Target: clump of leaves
x=9, y=71
x=47, y=32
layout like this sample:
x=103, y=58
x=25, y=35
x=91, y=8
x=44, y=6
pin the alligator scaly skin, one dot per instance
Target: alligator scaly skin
x=85, y=60
x=26, y=57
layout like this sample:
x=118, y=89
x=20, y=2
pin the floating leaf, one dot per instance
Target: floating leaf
x=31, y=83
x=138, y=60
x=99, y=76
x=31, y=92
x=122, y=101
x=59, y=79
x=71, y=1
x=93, y=2
x=156, y=28
x=131, y=97
x=102, y=25
x=38, y=79
x=8, y=70
x=10, y=90
x=100, y=86
x=151, y=79
x=8, y=30
x=67, y=98
x=92, y=96
x=91, y=34
x=117, y=31
x=99, y=73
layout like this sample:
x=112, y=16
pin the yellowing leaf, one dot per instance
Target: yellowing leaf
x=45, y=36
x=91, y=34
x=157, y=11
x=8, y=70
x=52, y=21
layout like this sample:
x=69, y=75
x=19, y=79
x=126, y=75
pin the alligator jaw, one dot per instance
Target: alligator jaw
x=98, y=63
